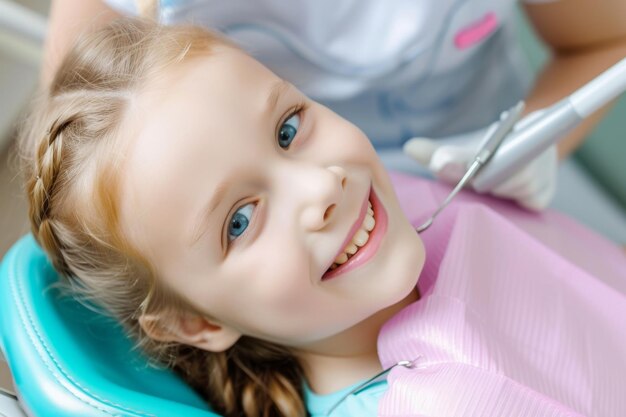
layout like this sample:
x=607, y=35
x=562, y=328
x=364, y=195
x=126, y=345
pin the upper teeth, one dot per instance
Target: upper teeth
x=359, y=239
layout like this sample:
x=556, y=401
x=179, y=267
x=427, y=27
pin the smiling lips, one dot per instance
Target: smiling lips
x=363, y=239
x=359, y=239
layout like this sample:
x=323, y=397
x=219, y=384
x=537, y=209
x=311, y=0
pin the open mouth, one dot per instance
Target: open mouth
x=364, y=241
x=359, y=239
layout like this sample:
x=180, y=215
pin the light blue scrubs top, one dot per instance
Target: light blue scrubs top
x=363, y=404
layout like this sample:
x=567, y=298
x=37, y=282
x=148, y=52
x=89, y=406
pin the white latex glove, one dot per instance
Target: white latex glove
x=448, y=158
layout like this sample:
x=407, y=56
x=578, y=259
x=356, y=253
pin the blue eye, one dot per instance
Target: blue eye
x=288, y=131
x=239, y=221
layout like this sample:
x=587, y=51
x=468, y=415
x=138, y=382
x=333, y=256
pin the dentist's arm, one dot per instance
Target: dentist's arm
x=68, y=19
x=585, y=38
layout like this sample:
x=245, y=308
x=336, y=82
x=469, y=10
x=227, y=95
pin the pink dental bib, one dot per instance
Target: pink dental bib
x=522, y=314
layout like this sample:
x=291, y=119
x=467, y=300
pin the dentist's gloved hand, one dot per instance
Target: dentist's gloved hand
x=448, y=158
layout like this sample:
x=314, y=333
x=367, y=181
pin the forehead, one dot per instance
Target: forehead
x=215, y=80
x=193, y=104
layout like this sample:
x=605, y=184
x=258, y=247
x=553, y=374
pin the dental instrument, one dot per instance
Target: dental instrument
x=526, y=142
x=493, y=139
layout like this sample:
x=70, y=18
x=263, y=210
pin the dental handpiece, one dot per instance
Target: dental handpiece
x=530, y=139
x=492, y=141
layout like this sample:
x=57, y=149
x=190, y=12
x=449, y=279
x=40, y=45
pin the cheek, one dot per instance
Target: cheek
x=272, y=278
x=284, y=304
x=286, y=280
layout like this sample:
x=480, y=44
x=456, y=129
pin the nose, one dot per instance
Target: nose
x=323, y=191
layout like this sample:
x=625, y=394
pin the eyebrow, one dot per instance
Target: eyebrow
x=204, y=216
x=277, y=89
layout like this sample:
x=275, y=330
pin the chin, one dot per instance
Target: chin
x=405, y=251
x=404, y=271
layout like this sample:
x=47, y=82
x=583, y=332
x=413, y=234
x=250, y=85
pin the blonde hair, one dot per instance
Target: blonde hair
x=69, y=146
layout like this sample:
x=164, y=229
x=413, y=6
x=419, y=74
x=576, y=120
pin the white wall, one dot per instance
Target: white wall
x=22, y=26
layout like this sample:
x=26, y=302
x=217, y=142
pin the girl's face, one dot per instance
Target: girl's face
x=242, y=192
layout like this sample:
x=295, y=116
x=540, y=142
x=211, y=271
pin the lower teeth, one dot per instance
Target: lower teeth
x=335, y=265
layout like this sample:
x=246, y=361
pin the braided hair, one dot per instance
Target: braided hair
x=70, y=146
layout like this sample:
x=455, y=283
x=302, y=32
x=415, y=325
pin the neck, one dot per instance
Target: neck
x=350, y=356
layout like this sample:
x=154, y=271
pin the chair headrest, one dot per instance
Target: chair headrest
x=67, y=360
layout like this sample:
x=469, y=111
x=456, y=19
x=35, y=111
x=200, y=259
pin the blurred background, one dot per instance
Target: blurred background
x=22, y=30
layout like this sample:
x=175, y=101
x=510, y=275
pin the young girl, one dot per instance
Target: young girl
x=251, y=239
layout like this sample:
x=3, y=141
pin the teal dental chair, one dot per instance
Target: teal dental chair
x=67, y=360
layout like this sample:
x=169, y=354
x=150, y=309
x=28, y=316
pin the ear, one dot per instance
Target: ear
x=190, y=329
